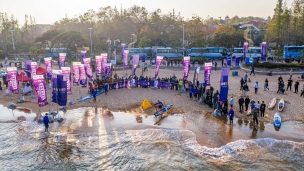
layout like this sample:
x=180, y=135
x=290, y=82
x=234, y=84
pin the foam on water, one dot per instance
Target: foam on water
x=149, y=149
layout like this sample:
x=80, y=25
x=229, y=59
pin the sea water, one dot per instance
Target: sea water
x=89, y=139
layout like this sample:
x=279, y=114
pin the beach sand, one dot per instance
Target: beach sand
x=129, y=100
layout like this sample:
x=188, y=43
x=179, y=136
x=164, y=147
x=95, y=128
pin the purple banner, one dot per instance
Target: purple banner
x=229, y=60
x=76, y=72
x=245, y=49
x=208, y=69
x=54, y=85
x=33, y=69
x=104, y=60
x=83, y=56
x=83, y=77
x=62, y=90
x=27, y=65
x=143, y=58
x=87, y=67
x=237, y=61
x=48, y=66
x=108, y=70
x=98, y=60
x=61, y=60
x=263, y=50
x=224, y=84
x=40, y=88
x=12, y=73
x=125, y=58
x=123, y=48
x=135, y=59
x=157, y=64
x=186, y=66
x=66, y=71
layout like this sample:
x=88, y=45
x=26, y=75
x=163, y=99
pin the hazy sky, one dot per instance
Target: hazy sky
x=49, y=11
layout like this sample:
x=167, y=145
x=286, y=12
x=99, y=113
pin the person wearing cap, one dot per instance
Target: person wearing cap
x=231, y=115
x=46, y=122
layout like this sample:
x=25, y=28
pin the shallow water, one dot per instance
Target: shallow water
x=90, y=141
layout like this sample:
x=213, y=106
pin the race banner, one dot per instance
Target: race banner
x=83, y=56
x=135, y=63
x=237, y=61
x=62, y=90
x=207, y=74
x=104, y=60
x=123, y=48
x=48, y=66
x=245, y=49
x=224, y=84
x=33, y=69
x=61, y=61
x=263, y=53
x=12, y=73
x=87, y=67
x=98, y=60
x=157, y=64
x=40, y=87
x=27, y=65
x=229, y=59
x=66, y=71
x=82, y=76
x=125, y=58
x=76, y=73
x=186, y=66
x=143, y=58
x=107, y=70
x=54, y=85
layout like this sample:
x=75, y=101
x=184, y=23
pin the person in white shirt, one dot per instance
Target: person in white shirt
x=256, y=86
x=231, y=101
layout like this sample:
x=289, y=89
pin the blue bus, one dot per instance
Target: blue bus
x=146, y=52
x=169, y=52
x=291, y=53
x=54, y=52
x=208, y=52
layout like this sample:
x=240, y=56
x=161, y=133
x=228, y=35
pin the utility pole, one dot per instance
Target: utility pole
x=183, y=39
x=91, y=41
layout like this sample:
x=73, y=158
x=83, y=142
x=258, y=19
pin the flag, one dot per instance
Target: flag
x=62, y=90
x=66, y=71
x=224, y=84
x=39, y=84
x=61, y=60
x=83, y=56
x=12, y=73
x=186, y=66
x=207, y=74
x=83, y=77
x=48, y=65
x=33, y=69
x=157, y=64
x=87, y=67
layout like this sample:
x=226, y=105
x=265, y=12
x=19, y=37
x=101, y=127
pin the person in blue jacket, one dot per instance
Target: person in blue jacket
x=46, y=122
x=231, y=115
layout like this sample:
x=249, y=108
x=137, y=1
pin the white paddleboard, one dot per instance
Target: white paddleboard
x=277, y=121
x=281, y=105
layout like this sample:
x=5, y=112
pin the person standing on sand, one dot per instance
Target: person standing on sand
x=241, y=103
x=290, y=73
x=231, y=115
x=231, y=101
x=247, y=101
x=256, y=86
x=46, y=122
x=302, y=93
x=215, y=65
x=252, y=70
x=246, y=89
x=245, y=77
x=262, y=108
x=257, y=106
x=242, y=82
x=266, y=85
x=296, y=86
x=289, y=84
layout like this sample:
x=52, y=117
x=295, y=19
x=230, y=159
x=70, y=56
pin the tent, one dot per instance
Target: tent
x=40, y=71
x=146, y=104
x=23, y=77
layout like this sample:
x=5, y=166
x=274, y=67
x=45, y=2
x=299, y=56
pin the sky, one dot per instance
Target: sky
x=47, y=12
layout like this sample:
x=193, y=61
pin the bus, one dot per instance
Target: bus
x=292, y=52
x=238, y=52
x=253, y=52
x=169, y=52
x=146, y=52
x=208, y=52
x=54, y=52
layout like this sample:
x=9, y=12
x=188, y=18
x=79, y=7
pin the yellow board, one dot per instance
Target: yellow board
x=146, y=104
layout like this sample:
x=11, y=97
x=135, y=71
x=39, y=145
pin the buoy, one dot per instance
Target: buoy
x=266, y=115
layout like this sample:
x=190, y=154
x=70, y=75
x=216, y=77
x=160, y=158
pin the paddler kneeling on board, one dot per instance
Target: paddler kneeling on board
x=159, y=104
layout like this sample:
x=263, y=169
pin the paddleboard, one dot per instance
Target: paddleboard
x=277, y=120
x=281, y=105
x=90, y=96
x=160, y=114
x=272, y=103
